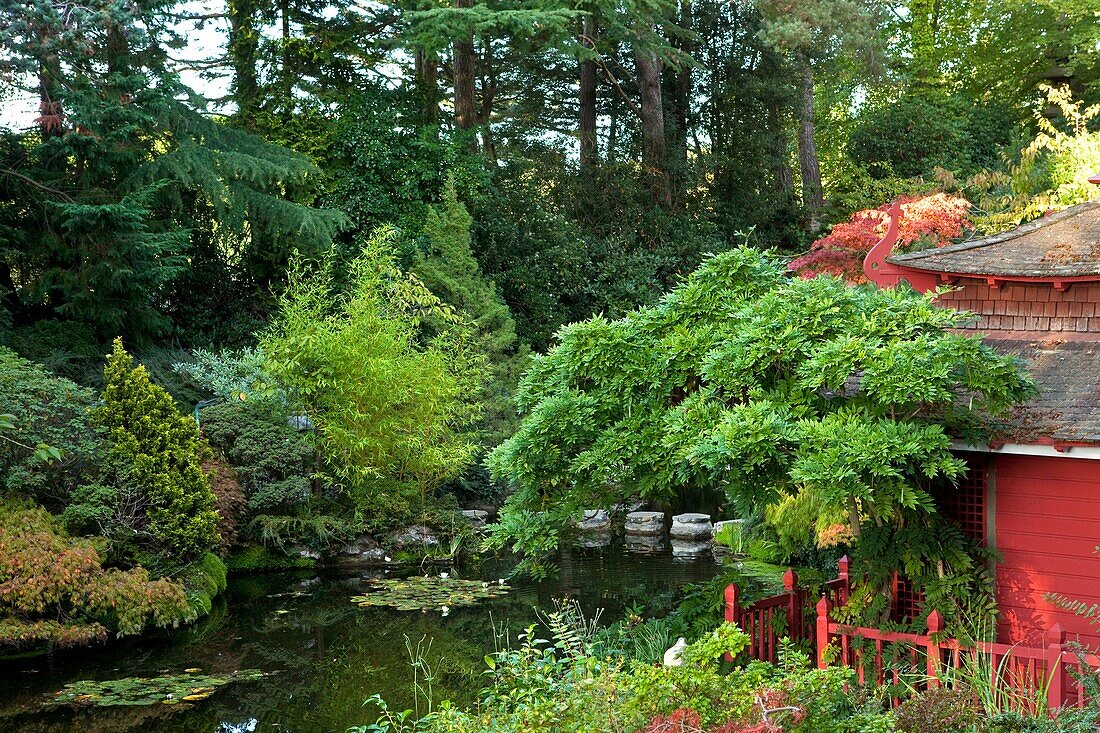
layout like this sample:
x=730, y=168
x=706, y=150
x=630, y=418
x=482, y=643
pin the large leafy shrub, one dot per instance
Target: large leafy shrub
x=914, y=135
x=272, y=459
x=45, y=409
x=153, y=496
x=1050, y=173
x=274, y=462
x=390, y=410
x=766, y=389
x=54, y=589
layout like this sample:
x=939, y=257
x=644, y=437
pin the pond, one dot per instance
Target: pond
x=324, y=655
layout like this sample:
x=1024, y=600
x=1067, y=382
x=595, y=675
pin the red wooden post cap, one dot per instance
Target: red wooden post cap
x=935, y=622
x=1056, y=634
x=790, y=579
x=842, y=566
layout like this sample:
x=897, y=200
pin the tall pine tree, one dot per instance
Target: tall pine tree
x=122, y=159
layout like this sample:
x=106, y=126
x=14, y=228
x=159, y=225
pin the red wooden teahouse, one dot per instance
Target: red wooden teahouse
x=1034, y=494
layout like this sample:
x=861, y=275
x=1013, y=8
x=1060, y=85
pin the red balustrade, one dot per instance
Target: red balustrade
x=1022, y=677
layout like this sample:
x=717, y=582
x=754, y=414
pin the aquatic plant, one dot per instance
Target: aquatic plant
x=426, y=592
x=191, y=686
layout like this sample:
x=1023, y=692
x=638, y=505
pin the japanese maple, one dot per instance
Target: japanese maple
x=926, y=221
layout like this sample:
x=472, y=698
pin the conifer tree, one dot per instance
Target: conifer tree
x=155, y=484
x=448, y=267
x=123, y=159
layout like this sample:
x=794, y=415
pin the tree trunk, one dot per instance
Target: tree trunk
x=587, y=99
x=783, y=176
x=244, y=49
x=427, y=87
x=679, y=107
x=812, y=197
x=654, y=155
x=488, y=145
x=288, y=81
x=465, y=63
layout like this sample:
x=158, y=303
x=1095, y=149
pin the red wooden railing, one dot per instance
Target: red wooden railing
x=770, y=619
x=1023, y=677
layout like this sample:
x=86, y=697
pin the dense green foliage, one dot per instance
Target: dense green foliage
x=389, y=411
x=344, y=264
x=572, y=684
x=830, y=407
x=44, y=409
x=152, y=498
x=448, y=269
x=272, y=459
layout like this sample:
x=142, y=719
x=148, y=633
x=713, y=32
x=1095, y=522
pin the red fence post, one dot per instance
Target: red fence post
x=822, y=631
x=794, y=605
x=732, y=601
x=732, y=610
x=1056, y=690
x=932, y=648
x=842, y=574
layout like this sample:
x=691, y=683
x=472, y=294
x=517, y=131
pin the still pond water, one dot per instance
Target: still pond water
x=327, y=655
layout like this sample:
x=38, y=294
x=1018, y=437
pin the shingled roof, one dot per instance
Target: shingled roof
x=1066, y=244
x=1067, y=373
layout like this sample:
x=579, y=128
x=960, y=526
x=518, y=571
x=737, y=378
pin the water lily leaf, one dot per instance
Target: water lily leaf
x=428, y=593
x=164, y=690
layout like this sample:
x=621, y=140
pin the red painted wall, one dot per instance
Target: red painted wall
x=1047, y=514
x=1028, y=307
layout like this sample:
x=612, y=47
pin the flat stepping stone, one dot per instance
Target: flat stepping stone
x=645, y=523
x=476, y=517
x=594, y=520
x=691, y=526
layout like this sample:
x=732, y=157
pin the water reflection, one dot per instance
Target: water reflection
x=327, y=655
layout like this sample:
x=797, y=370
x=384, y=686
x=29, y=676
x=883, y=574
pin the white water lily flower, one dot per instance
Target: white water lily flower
x=444, y=576
x=446, y=610
x=500, y=581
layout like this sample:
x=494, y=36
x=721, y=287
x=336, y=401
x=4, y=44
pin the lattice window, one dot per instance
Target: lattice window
x=906, y=600
x=965, y=505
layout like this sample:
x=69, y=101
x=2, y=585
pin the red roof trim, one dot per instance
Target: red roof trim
x=888, y=274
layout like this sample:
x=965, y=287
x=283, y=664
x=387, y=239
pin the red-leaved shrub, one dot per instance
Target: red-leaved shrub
x=926, y=221
x=53, y=588
x=681, y=720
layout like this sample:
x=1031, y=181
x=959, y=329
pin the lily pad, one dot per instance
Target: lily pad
x=429, y=592
x=163, y=690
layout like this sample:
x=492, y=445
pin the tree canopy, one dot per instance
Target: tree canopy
x=769, y=390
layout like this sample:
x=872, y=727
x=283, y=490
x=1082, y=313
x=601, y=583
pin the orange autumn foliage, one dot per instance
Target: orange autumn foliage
x=53, y=588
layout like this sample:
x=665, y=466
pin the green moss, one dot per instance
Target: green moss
x=260, y=559
x=203, y=581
